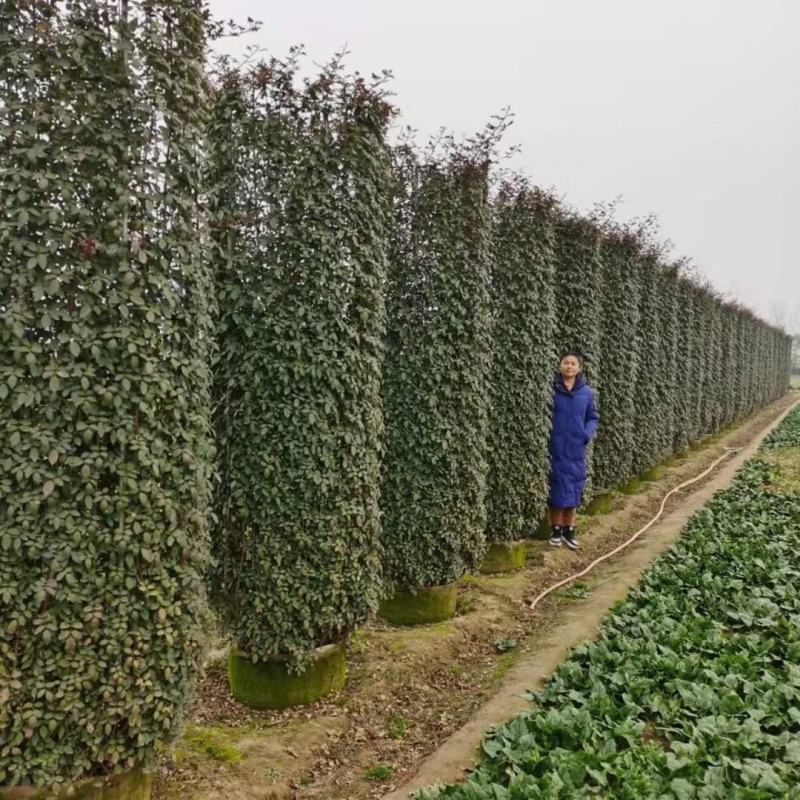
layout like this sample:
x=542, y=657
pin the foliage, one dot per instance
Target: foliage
x=622, y=352
x=787, y=434
x=729, y=356
x=438, y=358
x=104, y=385
x=647, y=449
x=694, y=687
x=523, y=356
x=696, y=369
x=397, y=727
x=665, y=355
x=301, y=194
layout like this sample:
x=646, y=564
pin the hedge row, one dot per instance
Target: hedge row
x=674, y=363
x=376, y=332
x=484, y=285
x=106, y=312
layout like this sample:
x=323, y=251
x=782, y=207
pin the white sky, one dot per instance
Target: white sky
x=686, y=108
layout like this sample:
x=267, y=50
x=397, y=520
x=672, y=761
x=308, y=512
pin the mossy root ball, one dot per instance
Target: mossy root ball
x=503, y=557
x=269, y=684
x=131, y=785
x=420, y=607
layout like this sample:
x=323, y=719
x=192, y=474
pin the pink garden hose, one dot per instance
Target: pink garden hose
x=729, y=451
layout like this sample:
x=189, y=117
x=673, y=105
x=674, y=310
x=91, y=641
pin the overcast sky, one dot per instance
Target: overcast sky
x=686, y=108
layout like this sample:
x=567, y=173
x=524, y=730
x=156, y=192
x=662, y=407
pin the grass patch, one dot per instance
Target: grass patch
x=465, y=603
x=577, y=591
x=397, y=727
x=504, y=664
x=380, y=772
x=213, y=742
x=457, y=670
x=358, y=641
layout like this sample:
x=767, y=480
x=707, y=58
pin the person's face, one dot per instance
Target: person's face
x=569, y=366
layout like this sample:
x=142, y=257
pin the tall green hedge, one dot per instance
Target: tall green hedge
x=684, y=376
x=729, y=363
x=578, y=277
x=712, y=383
x=743, y=367
x=523, y=353
x=622, y=354
x=301, y=192
x=696, y=368
x=647, y=450
x=667, y=341
x=437, y=369
x=104, y=382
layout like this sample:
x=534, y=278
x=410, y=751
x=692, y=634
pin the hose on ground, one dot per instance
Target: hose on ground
x=632, y=539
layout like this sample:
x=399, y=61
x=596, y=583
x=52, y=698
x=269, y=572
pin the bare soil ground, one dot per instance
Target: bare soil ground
x=411, y=691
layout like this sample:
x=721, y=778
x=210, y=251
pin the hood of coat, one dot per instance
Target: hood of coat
x=558, y=384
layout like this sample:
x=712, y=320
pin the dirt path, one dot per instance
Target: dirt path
x=418, y=700
x=610, y=583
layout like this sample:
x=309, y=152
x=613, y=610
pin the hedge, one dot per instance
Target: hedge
x=104, y=383
x=622, y=354
x=301, y=187
x=729, y=362
x=697, y=369
x=666, y=343
x=648, y=420
x=437, y=368
x=520, y=387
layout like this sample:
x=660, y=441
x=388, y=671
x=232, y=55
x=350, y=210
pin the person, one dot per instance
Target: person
x=575, y=421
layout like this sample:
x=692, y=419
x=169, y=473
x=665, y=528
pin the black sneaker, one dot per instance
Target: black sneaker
x=555, y=536
x=568, y=535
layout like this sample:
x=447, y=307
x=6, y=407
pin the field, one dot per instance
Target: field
x=693, y=689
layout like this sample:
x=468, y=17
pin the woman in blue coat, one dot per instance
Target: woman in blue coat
x=574, y=423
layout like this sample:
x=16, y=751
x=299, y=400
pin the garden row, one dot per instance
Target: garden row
x=237, y=323
x=693, y=689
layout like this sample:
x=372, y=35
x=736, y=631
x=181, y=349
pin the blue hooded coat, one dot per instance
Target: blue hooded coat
x=574, y=423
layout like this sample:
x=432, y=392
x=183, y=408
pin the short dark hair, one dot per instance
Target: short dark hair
x=575, y=353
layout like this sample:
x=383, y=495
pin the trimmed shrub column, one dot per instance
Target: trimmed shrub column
x=104, y=391
x=301, y=208
x=684, y=370
x=646, y=451
x=521, y=381
x=621, y=348
x=667, y=343
x=702, y=362
x=436, y=383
